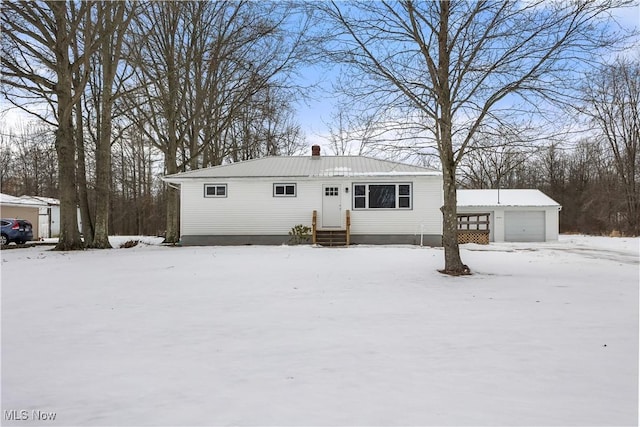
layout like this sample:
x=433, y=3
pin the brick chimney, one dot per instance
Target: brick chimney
x=315, y=151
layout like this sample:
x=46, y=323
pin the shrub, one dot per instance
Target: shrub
x=129, y=244
x=299, y=234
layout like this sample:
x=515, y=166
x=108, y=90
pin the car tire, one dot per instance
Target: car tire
x=4, y=240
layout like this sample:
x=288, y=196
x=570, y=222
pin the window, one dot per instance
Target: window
x=404, y=196
x=331, y=191
x=284, y=190
x=359, y=196
x=215, y=190
x=382, y=196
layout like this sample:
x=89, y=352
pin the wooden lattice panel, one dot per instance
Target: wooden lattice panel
x=475, y=237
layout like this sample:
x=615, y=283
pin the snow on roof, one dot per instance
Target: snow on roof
x=504, y=198
x=306, y=166
x=47, y=200
x=9, y=200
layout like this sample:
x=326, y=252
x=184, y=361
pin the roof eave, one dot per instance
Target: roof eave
x=178, y=179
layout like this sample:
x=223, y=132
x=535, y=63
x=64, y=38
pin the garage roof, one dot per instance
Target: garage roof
x=479, y=198
x=8, y=200
x=45, y=200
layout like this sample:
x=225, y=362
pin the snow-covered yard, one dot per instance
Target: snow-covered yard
x=541, y=334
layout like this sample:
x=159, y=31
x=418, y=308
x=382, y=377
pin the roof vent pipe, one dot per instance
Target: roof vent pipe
x=315, y=151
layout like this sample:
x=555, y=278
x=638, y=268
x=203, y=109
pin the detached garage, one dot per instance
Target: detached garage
x=16, y=207
x=513, y=215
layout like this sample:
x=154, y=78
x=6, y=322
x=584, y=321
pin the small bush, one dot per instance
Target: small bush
x=129, y=244
x=299, y=234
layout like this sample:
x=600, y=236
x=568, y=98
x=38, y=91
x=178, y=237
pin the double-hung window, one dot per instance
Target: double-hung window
x=284, y=190
x=382, y=196
x=215, y=190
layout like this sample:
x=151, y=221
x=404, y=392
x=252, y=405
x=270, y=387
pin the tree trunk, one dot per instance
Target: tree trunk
x=172, y=233
x=113, y=27
x=65, y=144
x=103, y=157
x=103, y=175
x=83, y=197
x=452, y=262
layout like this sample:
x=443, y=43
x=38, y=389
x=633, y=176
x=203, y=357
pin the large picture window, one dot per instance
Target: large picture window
x=382, y=196
x=215, y=190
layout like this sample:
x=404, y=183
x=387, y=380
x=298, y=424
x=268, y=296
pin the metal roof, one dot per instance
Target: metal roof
x=8, y=200
x=47, y=200
x=305, y=166
x=504, y=198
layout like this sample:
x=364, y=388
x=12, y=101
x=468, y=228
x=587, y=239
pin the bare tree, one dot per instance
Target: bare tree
x=38, y=67
x=462, y=66
x=198, y=65
x=28, y=160
x=611, y=101
x=111, y=30
x=492, y=158
x=163, y=49
x=353, y=135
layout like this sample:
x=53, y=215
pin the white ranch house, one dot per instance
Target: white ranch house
x=347, y=199
x=259, y=201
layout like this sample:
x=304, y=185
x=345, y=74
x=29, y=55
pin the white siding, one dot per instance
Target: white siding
x=498, y=219
x=251, y=209
x=425, y=215
x=552, y=220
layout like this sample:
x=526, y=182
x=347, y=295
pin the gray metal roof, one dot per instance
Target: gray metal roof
x=305, y=166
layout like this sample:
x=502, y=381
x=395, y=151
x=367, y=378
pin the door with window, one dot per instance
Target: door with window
x=331, y=206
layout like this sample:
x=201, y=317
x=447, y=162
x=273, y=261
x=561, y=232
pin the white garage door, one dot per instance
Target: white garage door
x=524, y=226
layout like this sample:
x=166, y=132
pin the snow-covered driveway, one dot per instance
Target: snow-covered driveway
x=541, y=334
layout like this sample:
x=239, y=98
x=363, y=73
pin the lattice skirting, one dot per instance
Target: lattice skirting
x=475, y=237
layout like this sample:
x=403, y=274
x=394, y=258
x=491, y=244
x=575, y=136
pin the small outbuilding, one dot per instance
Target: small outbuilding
x=513, y=215
x=341, y=199
x=49, y=222
x=19, y=208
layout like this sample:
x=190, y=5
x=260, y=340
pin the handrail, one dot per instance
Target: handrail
x=314, y=220
x=348, y=234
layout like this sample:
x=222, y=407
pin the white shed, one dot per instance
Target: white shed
x=49, y=222
x=514, y=215
x=259, y=201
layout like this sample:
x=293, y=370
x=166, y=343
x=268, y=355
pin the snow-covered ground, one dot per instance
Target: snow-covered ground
x=541, y=334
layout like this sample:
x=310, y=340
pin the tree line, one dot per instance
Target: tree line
x=135, y=89
x=119, y=85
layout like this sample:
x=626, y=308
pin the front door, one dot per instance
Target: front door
x=331, y=206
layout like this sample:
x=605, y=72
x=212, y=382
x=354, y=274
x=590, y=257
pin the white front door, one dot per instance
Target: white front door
x=331, y=206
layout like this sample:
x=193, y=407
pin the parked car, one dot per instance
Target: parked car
x=15, y=230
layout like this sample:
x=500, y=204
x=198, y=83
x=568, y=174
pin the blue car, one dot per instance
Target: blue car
x=15, y=230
